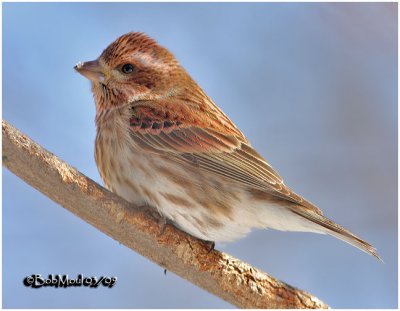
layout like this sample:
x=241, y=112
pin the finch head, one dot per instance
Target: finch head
x=134, y=67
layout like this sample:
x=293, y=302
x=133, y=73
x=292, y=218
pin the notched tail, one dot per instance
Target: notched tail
x=337, y=231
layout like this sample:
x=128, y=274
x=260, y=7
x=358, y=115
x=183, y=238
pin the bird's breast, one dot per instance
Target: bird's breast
x=120, y=164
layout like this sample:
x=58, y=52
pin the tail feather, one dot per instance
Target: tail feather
x=332, y=228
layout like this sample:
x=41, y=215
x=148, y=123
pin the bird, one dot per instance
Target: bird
x=162, y=142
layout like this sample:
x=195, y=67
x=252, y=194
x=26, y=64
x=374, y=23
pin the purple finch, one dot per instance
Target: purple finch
x=161, y=141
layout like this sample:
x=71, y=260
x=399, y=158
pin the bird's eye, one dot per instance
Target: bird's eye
x=127, y=68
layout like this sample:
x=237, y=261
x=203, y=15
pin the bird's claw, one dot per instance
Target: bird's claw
x=211, y=246
x=163, y=222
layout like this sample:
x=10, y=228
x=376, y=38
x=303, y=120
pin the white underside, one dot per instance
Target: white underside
x=246, y=213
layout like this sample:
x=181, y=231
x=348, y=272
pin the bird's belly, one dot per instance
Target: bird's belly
x=203, y=204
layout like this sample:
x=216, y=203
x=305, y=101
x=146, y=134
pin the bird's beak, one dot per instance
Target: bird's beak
x=91, y=70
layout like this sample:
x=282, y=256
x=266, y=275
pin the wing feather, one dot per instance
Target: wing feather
x=215, y=148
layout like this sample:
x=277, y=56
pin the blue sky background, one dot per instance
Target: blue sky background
x=312, y=86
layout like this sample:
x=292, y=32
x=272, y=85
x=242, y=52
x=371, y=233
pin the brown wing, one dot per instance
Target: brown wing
x=213, y=144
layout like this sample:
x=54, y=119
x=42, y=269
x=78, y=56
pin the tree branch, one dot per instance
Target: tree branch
x=137, y=228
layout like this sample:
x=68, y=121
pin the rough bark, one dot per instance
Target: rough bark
x=220, y=274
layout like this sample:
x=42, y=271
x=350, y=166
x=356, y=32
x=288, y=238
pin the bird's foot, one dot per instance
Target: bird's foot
x=211, y=246
x=163, y=223
x=155, y=214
